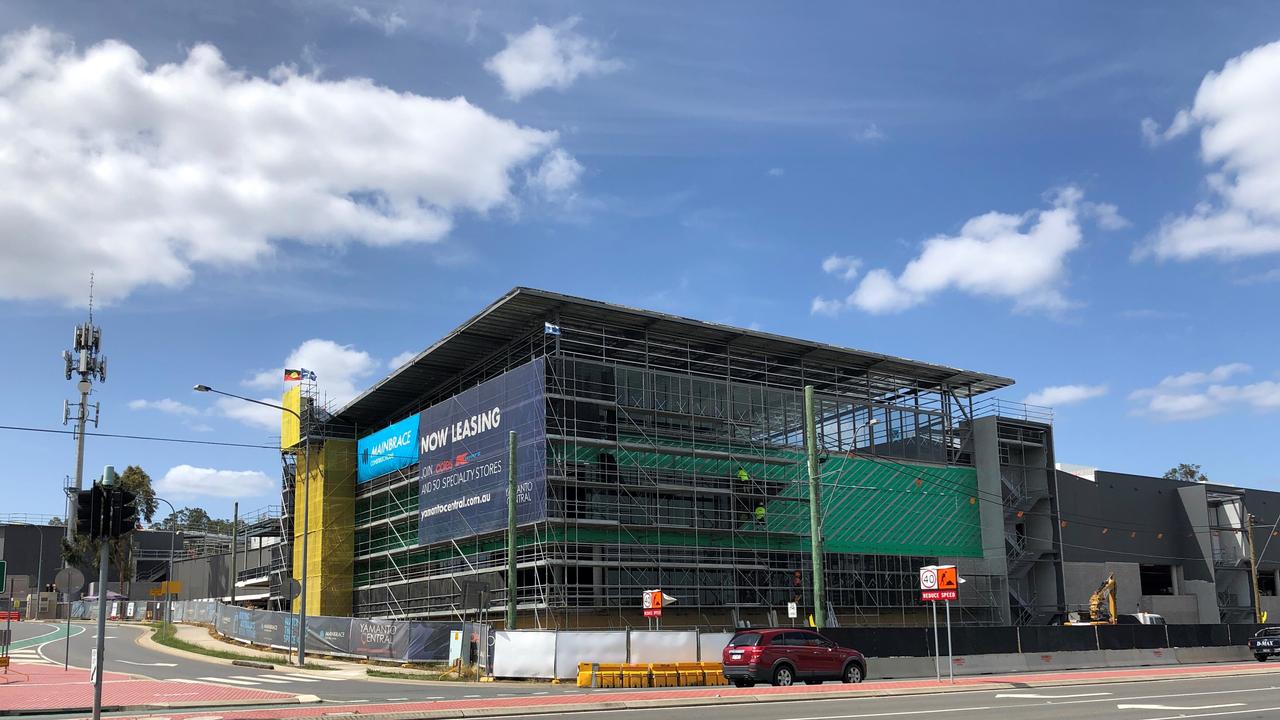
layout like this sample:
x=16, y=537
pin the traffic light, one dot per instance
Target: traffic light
x=91, y=512
x=124, y=513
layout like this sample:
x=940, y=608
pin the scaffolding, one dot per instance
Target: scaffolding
x=676, y=461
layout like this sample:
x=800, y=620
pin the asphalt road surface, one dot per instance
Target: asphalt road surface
x=1241, y=697
x=125, y=655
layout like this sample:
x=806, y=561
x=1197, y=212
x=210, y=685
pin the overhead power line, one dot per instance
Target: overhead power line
x=139, y=437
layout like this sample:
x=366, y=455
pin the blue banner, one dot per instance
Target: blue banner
x=388, y=449
x=463, y=443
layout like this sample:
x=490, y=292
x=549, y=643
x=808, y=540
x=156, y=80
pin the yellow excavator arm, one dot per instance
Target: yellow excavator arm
x=1106, y=592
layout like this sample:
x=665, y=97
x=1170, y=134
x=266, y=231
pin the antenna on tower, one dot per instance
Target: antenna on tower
x=90, y=298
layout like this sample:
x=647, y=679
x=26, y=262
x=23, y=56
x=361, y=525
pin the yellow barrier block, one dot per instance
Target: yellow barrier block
x=664, y=675
x=584, y=674
x=635, y=676
x=609, y=675
x=714, y=673
x=691, y=674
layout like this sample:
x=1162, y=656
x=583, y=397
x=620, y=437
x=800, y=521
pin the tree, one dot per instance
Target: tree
x=84, y=552
x=189, y=518
x=1186, y=472
x=56, y=522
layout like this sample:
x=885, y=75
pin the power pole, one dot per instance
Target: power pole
x=85, y=360
x=511, y=532
x=815, y=508
x=1253, y=569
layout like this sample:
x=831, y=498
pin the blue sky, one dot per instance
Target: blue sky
x=1078, y=196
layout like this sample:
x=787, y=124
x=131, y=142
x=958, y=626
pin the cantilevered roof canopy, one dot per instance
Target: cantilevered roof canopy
x=522, y=309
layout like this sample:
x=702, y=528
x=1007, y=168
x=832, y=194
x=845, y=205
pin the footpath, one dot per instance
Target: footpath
x=651, y=699
x=35, y=687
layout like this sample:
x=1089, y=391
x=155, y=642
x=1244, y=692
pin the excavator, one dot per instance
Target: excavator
x=1100, y=614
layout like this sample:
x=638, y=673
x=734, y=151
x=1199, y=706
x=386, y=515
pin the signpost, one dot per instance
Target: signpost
x=68, y=580
x=940, y=583
x=652, y=603
x=792, y=612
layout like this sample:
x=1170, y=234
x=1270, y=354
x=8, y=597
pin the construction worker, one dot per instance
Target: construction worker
x=760, y=511
x=742, y=475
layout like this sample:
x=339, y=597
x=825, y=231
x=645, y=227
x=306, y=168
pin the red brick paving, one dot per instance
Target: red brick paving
x=534, y=702
x=50, y=687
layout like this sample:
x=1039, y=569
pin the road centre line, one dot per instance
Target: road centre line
x=1034, y=696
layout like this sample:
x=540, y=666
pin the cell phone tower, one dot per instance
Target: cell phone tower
x=84, y=359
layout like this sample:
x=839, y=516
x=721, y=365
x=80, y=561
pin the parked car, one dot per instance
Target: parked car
x=785, y=656
x=1265, y=643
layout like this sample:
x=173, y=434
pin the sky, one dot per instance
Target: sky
x=1084, y=197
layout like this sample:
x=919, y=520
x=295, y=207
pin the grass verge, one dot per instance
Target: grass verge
x=449, y=676
x=166, y=635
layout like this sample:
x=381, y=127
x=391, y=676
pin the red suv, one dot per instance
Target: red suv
x=783, y=656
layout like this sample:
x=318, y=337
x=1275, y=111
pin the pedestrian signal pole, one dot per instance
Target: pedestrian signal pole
x=108, y=480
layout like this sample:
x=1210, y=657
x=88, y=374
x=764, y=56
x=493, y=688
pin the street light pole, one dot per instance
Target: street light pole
x=306, y=513
x=168, y=595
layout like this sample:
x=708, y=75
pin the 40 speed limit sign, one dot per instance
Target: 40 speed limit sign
x=939, y=582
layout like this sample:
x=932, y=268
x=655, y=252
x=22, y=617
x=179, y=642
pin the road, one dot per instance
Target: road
x=125, y=655
x=1226, y=696
x=1241, y=697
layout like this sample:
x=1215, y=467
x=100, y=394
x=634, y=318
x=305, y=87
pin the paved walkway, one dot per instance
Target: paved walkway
x=719, y=695
x=49, y=687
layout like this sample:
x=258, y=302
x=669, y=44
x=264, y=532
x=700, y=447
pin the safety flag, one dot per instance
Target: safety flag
x=292, y=375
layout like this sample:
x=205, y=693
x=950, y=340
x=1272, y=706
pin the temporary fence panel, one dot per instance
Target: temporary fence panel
x=573, y=647
x=711, y=646
x=524, y=653
x=662, y=646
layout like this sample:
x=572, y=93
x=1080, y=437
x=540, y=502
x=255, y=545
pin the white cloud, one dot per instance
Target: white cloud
x=1107, y=216
x=1018, y=257
x=185, y=481
x=1154, y=136
x=340, y=370
x=388, y=22
x=1057, y=395
x=870, y=134
x=557, y=175
x=823, y=306
x=396, y=362
x=776, y=172
x=1216, y=375
x=250, y=414
x=144, y=174
x=1237, y=110
x=164, y=405
x=548, y=57
x=844, y=267
x=1200, y=394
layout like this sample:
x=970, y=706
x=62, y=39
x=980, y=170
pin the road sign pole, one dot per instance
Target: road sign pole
x=108, y=478
x=951, y=672
x=937, y=649
x=66, y=653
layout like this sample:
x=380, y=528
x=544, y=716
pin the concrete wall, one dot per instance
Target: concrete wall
x=1176, y=609
x=1083, y=578
x=210, y=577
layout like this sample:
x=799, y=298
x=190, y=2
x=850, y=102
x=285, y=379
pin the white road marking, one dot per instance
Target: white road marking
x=260, y=678
x=1125, y=706
x=227, y=680
x=1217, y=714
x=1034, y=696
x=293, y=678
x=130, y=662
x=899, y=713
x=396, y=699
x=434, y=697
